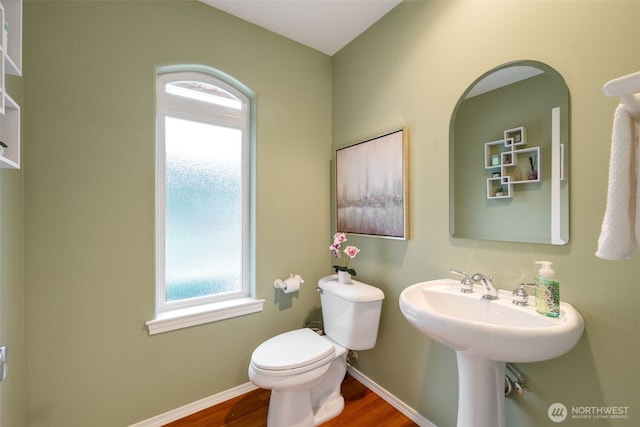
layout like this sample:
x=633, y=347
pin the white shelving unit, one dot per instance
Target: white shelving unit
x=3, y=50
x=10, y=131
x=10, y=63
x=510, y=163
x=13, y=49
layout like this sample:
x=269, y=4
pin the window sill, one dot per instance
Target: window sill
x=187, y=317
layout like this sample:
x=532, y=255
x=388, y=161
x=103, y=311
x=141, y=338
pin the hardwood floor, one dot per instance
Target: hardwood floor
x=362, y=408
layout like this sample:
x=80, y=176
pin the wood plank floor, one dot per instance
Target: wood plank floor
x=362, y=408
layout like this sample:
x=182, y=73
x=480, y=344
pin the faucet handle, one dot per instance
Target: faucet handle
x=466, y=285
x=520, y=295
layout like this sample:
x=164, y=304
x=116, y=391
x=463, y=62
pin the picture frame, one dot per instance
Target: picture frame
x=372, y=186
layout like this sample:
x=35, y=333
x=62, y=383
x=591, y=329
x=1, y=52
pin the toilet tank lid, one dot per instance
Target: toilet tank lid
x=356, y=291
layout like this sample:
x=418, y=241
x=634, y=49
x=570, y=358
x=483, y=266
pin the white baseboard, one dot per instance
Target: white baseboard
x=402, y=407
x=207, y=402
x=192, y=408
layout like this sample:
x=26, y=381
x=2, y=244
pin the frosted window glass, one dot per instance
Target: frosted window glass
x=203, y=253
x=200, y=91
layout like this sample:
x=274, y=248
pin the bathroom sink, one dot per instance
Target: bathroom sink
x=497, y=330
x=485, y=335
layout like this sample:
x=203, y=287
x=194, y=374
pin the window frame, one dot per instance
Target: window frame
x=189, y=312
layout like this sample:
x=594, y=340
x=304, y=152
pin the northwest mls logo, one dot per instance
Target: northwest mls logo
x=557, y=412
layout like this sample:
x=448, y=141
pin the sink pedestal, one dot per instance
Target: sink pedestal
x=480, y=391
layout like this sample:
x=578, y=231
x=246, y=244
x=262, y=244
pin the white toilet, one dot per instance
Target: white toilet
x=304, y=370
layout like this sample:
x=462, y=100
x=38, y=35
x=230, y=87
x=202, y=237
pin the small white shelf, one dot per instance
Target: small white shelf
x=497, y=183
x=510, y=163
x=13, y=49
x=516, y=136
x=493, y=154
x=10, y=63
x=3, y=55
x=521, y=170
x=10, y=135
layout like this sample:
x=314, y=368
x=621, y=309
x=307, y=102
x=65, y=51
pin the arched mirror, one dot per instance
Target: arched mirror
x=509, y=151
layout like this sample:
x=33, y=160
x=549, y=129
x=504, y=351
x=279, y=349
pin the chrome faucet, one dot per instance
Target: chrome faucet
x=490, y=291
x=520, y=295
x=466, y=285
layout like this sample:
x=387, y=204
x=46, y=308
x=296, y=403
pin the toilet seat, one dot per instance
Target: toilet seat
x=292, y=352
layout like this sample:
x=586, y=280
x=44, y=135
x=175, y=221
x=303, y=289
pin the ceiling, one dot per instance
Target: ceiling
x=324, y=25
x=503, y=77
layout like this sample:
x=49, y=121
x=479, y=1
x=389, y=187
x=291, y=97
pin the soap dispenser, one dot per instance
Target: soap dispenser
x=547, y=291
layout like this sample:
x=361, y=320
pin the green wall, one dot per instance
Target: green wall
x=410, y=70
x=88, y=200
x=89, y=82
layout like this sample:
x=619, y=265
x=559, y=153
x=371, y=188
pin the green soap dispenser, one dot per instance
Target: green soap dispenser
x=547, y=291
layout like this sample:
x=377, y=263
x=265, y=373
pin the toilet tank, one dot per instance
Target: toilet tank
x=351, y=313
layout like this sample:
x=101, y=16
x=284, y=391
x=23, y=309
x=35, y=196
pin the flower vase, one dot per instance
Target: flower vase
x=344, y=277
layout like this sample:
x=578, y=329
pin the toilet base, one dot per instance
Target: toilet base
x=290, y=408
x=331, y=408
x=311, y=407
x=294, y=409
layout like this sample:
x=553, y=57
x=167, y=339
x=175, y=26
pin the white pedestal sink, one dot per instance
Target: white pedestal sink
x=485, y=335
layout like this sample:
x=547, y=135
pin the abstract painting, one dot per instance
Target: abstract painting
x=371, y=186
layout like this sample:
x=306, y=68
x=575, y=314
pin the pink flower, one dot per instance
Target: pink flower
x=351, y=251
x=335, y=250
x=339, y=238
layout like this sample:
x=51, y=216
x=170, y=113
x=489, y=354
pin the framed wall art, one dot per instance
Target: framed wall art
x=371, y=186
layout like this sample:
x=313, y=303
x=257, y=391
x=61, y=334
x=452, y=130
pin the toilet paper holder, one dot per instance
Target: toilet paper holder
x=292, y=284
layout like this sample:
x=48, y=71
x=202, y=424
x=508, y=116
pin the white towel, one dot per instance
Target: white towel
x=620, y=232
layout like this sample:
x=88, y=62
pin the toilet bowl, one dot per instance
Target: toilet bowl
x=303, y=369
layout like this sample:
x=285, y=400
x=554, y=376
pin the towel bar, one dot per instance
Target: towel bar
x=625, y=88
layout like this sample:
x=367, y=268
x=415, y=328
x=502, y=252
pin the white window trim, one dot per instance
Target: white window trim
x=169, y=319
x=199, y=315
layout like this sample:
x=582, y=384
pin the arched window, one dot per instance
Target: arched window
x=204, y=173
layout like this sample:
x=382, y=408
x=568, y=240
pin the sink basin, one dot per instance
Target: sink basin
x=485, y=335
x=497, y=330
